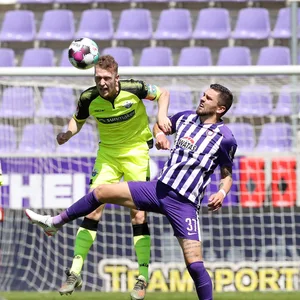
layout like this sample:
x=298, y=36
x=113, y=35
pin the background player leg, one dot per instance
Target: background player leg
x=192, y=252
x=142, y=244
x=85, y=238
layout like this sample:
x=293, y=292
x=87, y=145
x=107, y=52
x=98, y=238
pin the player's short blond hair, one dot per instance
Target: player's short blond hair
x=107, y=62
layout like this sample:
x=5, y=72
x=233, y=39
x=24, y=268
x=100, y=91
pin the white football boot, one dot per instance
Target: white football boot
x=43, y=221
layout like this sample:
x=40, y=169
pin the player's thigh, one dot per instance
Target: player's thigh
x=116, y=193
x=137, y=168
x=192, y=250
x=183, y=217
x=135, y=164
x=106, y=169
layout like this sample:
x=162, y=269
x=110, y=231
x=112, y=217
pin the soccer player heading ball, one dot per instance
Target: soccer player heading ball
x=125, y=136
x=202, y=143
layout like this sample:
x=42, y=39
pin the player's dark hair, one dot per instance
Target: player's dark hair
x=107, y=62
x=225, y=96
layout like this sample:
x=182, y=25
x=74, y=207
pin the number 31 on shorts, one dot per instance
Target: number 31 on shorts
x=192, y=226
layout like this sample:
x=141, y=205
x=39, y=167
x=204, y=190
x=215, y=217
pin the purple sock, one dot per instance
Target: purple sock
x=202, y=280
x=82, y=207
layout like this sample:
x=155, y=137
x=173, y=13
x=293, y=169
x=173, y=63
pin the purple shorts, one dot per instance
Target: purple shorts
x=155, y=196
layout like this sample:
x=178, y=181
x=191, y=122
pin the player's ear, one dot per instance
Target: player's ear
x=221, y=109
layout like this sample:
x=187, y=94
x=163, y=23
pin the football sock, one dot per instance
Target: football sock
x=85, y=237
x=202, y=280
x=142, y=244
x=82, y=207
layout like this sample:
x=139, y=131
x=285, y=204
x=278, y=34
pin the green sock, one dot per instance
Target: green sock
x=84, y=241
x=142, y=244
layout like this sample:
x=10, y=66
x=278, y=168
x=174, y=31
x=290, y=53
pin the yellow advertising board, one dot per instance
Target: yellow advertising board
x=119, y=275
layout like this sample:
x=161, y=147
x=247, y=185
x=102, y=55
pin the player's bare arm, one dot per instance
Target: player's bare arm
x=161, y=141
x=216, y=200
x=163, y=121
x=73, y=127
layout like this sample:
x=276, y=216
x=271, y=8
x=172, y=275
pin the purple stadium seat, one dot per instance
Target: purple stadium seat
x=18, y=26
x=234, y=56
x=284, y=105
x=60, y=30
x=123, y=55
x=254, y=100
x=234, y=0
x=73, y=1
x=35, y=1
x=8, y=139
x=195, y=56
x=275, y=137
x=57, y=102
x=64, y=59
x=174, y=24
x=212, y=23
x=156, y=56
x=86, y=141
x=278, y=55
x=38, y=57
x=282, y=28
x=244, y=135
x=134, y=24
x=181, y=99
x=37, y=138
x=17, y=102
x=112, y=1
x=252, y=23
x=191, y=1
x=96, y=24
x=7, y=57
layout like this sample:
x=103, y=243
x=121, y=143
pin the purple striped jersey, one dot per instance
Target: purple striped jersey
x=198, y=149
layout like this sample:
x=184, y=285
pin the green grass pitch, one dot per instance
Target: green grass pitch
x=149, y=296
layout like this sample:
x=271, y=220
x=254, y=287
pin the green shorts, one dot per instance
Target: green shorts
x=112, y=164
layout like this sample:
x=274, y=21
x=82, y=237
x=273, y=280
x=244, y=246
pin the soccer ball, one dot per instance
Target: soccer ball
x=83, y=53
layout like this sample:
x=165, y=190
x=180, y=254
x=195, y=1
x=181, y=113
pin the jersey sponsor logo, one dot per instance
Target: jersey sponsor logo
x=99, y=110
x=117, y=119
x=187, y=143
x=128, y=104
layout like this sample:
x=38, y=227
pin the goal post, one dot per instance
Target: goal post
x=251, y=244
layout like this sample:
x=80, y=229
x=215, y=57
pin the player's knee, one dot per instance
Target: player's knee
x=99, y=192
x=138, y=217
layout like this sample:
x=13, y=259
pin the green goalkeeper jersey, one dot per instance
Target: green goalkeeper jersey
x=124, y=121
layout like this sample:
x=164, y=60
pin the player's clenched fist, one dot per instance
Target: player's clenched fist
x=63, y=137
x=162, y=143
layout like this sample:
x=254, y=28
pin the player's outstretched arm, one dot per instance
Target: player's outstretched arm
x=163, y=121
x=73, y=128
x=215, y=201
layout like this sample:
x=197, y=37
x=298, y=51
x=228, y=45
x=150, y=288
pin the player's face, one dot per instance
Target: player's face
x=208, y=105
x=106, y=82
